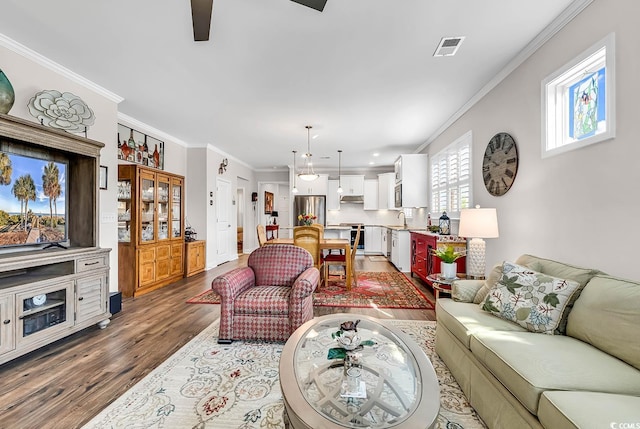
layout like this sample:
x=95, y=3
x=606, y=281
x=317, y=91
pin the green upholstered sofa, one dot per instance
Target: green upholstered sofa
x=588, y=377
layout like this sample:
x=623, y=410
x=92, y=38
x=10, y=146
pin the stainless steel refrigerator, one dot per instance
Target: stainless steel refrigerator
x=306, y=204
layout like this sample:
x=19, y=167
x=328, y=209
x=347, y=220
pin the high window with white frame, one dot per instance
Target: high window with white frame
x=451, y=178
x=579, y=100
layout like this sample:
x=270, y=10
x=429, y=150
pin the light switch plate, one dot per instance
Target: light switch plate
x=108, y=217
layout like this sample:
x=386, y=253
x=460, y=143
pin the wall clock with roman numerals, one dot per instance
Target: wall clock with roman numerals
x=500, y=164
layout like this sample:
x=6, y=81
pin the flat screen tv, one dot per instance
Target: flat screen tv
x=33, y=199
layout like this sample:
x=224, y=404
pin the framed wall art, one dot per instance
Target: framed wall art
x=578, y=100
x=268, y=202
x=135, y=146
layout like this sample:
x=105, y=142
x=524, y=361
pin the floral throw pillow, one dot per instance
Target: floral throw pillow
x=533, y=300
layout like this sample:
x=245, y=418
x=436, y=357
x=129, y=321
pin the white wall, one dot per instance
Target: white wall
x=580, y=207
x=202, y=165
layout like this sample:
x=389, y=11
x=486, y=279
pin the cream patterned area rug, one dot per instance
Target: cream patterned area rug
x=207, y=385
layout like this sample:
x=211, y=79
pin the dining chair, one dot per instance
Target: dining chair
x=332, y=259
x=308, y=237
x=262, y=235
x=320, y=227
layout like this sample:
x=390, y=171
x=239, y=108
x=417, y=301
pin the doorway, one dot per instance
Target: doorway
x=224, y=220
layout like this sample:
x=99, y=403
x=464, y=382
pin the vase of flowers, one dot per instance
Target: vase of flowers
x=307, y=218
x=448, y=257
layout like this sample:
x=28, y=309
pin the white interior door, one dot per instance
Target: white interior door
x=224, y=217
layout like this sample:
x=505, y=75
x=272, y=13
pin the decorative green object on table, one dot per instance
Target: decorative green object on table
x=349, y=340
x=7, y=95
x=447, y=254
x=341, y=353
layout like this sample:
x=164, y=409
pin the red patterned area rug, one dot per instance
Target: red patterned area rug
x=206, y=297
x=375, y=289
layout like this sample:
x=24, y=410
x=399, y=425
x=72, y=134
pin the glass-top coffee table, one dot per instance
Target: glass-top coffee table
x=386, y=382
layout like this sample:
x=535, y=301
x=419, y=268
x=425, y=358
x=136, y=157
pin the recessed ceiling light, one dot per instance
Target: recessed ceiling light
x=371, y=163
x=376, y=154
x=448, y=46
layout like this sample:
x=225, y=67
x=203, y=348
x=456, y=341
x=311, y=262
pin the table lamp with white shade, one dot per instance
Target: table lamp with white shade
x=477, y=224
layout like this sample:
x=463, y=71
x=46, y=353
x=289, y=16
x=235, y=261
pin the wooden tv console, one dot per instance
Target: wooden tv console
x=48, y=294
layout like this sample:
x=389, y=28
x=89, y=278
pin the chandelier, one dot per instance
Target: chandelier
x=307, y=174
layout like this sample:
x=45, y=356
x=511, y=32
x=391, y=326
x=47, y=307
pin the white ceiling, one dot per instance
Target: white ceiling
x=361, y=72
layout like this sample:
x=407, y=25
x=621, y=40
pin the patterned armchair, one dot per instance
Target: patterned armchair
x=270, y=297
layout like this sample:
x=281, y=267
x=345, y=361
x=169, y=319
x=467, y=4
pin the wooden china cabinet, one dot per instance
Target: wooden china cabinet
x=150, y=229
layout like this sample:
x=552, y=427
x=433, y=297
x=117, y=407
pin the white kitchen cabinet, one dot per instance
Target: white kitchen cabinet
x=384, y=241
x=316, y=187
x=372, y=240
x=401, y=249
x=337, y=232
x=411, y=174
x=371, y=194
x=352, y=184
x=386, y=184
x=333, y=198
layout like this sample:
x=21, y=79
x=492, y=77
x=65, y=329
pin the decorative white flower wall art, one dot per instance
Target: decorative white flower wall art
x=64, y=111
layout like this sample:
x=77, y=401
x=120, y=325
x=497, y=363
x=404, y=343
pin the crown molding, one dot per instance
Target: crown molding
x=227, y=155
x=57, y=68
x=148, y=129
x=556, y=25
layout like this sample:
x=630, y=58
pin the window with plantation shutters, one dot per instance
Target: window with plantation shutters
x=451, y=178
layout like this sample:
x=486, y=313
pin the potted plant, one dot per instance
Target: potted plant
x=448, y=257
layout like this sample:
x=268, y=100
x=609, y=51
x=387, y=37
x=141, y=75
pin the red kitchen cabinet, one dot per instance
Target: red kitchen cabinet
x=424, y=262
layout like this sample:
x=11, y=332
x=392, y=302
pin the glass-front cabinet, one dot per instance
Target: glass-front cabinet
x=150, y=228
x=147, y=207
x=176, y=208
x=154, y=207
x=124, y=210
x=48, y=308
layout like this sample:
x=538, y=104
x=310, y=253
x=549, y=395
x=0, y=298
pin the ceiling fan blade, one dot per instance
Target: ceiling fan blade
x=201, y=17
x=313, y=4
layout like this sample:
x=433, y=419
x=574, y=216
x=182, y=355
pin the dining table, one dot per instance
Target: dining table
x=328, y=244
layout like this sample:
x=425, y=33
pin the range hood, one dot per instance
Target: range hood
x=352, y=199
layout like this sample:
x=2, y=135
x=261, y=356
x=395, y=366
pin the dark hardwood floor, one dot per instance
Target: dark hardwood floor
x=65, y=384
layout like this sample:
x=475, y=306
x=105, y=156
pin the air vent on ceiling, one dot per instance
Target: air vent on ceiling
x=448, y=46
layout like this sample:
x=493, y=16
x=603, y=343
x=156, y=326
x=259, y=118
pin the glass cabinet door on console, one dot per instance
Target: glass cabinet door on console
x=46, y=309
